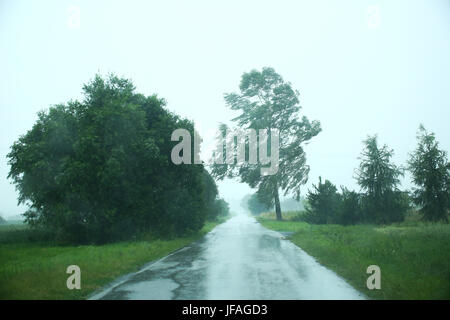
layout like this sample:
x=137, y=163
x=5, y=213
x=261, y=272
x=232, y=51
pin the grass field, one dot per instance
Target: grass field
x=33, y=270
x=414, y=257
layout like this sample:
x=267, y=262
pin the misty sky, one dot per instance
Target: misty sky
x=362, y=67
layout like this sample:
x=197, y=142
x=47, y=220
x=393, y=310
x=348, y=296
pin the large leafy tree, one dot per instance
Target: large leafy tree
x=100, y=170
x=431, y=173
x=378, y=177
x=266, y=101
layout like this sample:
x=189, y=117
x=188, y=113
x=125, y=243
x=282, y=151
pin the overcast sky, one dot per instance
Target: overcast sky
x=362, y=67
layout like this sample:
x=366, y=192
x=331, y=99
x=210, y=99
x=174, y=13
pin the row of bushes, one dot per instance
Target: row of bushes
x=381, y=201
x=326, y=205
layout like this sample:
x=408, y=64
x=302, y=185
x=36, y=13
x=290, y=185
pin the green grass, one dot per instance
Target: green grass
x=34, y=270
x=414, y=257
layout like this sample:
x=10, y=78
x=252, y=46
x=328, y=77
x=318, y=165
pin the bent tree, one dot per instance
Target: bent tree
x=268, y=102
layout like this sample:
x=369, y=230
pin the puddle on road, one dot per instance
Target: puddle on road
x=159, y=289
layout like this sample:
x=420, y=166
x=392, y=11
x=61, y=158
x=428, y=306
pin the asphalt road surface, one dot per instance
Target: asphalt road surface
x=239, y=259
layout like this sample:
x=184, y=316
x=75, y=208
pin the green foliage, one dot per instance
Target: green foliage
x=216, y=207
x=255, y=205
x=222, y=209
x=99, y=170
x=266, y=101
x=378, y=178
x=323, y=203
x=2, y=221
x=431, y=173
x=350, y=211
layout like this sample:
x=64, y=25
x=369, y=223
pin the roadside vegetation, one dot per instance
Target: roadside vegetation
x=405, y=233
x=99, y=170
x=102, y=192
x=414, y=256
x=34, y=268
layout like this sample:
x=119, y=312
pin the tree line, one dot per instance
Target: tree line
x=265, y=100
x=381, y=201
x=99, y=170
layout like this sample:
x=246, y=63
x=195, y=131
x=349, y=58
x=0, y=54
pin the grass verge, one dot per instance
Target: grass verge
x=38, y=271
x=414, y=258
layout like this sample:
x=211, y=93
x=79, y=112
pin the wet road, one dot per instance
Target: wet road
x=239, y=259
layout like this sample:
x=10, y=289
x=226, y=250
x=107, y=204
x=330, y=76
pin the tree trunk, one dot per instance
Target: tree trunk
x=277, y=206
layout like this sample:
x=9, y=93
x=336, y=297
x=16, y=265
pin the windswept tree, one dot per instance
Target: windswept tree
x=268, y=102
x=430, y=171
x=378, y=177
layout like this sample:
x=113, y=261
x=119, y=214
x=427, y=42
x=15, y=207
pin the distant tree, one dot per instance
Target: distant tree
x=2, y=221
x=266, y=101
x=290, y=204
x=244, y=202
x=216, y=207
x=323, y=203
x=210, y=195
x=100, y=170
x=222, y=208
x=256, y=205
x=431, y=173
x=378, y=177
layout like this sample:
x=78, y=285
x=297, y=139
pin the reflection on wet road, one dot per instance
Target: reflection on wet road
x=239, y=259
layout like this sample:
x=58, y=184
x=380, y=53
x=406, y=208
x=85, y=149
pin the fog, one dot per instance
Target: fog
x=362, y=67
